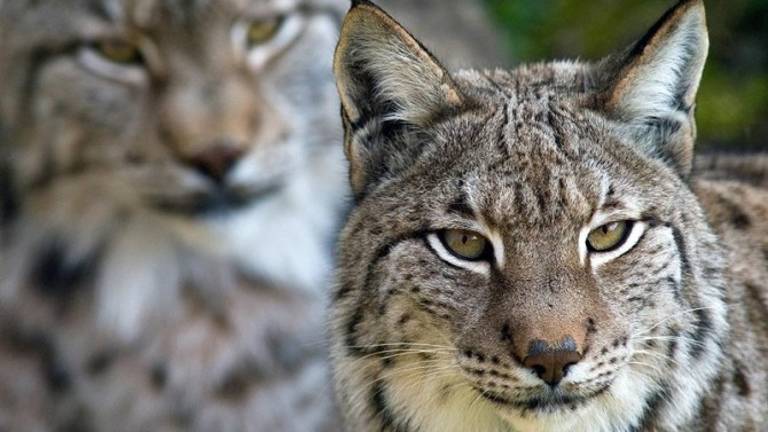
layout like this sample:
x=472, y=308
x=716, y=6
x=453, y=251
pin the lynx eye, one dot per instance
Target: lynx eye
x=262, y=30
x=609, y=236
x=465, y=244
x=119, y=51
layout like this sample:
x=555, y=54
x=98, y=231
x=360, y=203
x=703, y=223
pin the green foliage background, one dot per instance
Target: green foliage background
x=732, y=109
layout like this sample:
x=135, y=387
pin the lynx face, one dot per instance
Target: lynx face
x=189, y=109
x=525, y=253
x=200, y=125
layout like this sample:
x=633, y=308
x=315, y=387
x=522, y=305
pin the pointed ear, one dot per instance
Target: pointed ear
x=653, y=86
x=387, y=81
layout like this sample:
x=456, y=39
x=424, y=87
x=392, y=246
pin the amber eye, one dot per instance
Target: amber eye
x=118, y=51
x=608, y=237
x=465, y=244
x=263, y=30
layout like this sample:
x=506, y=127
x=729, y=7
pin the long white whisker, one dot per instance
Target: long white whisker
x=669, y=317
x=398, y=352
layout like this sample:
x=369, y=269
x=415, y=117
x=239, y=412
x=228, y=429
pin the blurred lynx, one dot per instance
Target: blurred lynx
x=170, y=191
x=529, y=250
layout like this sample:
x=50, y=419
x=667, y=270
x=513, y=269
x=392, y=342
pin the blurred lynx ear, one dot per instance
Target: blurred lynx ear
x=386, y=80
x=655, y=88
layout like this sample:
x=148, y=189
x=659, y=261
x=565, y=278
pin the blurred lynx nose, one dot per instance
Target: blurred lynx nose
x=217, y=160
x=211, y=124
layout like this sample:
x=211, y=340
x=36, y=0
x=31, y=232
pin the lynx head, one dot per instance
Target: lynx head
x=525, y=249
x=134, y=134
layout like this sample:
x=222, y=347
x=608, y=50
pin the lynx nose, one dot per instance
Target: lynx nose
x=217, y=160
x=551, y=361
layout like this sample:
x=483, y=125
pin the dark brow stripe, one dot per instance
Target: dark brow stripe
x=685, y=262
x=460, y=205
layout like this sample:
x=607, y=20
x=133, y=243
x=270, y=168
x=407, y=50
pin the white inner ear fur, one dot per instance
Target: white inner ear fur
x=676, y=64
x=404, y=79
x=436, y=244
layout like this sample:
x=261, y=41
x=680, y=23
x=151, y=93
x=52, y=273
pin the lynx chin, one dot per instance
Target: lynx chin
x=533, y=250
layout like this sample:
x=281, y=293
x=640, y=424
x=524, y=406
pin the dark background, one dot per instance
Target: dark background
x=732, y=110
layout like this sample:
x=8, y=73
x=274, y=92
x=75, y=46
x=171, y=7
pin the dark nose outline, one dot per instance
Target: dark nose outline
x=551, y=361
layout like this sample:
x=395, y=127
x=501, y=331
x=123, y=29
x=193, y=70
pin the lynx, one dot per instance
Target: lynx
x=531, y=250
x=169, y=202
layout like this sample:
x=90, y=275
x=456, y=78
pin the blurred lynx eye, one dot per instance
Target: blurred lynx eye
x=263, y=30
x=609, y=236
x=465, y=244
x=118, y=51
x=260, y=39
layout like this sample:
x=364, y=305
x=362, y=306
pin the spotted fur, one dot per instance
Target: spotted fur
x=672, y=329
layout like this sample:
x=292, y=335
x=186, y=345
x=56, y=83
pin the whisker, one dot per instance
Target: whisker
x=674, y=315
x=392, y=373
x=398, y=352
x=690, y=340
x=400, y=344
x=659, y=356
x=647, y=365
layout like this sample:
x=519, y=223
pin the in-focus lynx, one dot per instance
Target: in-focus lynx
x=169, y=202
x=530, y=251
